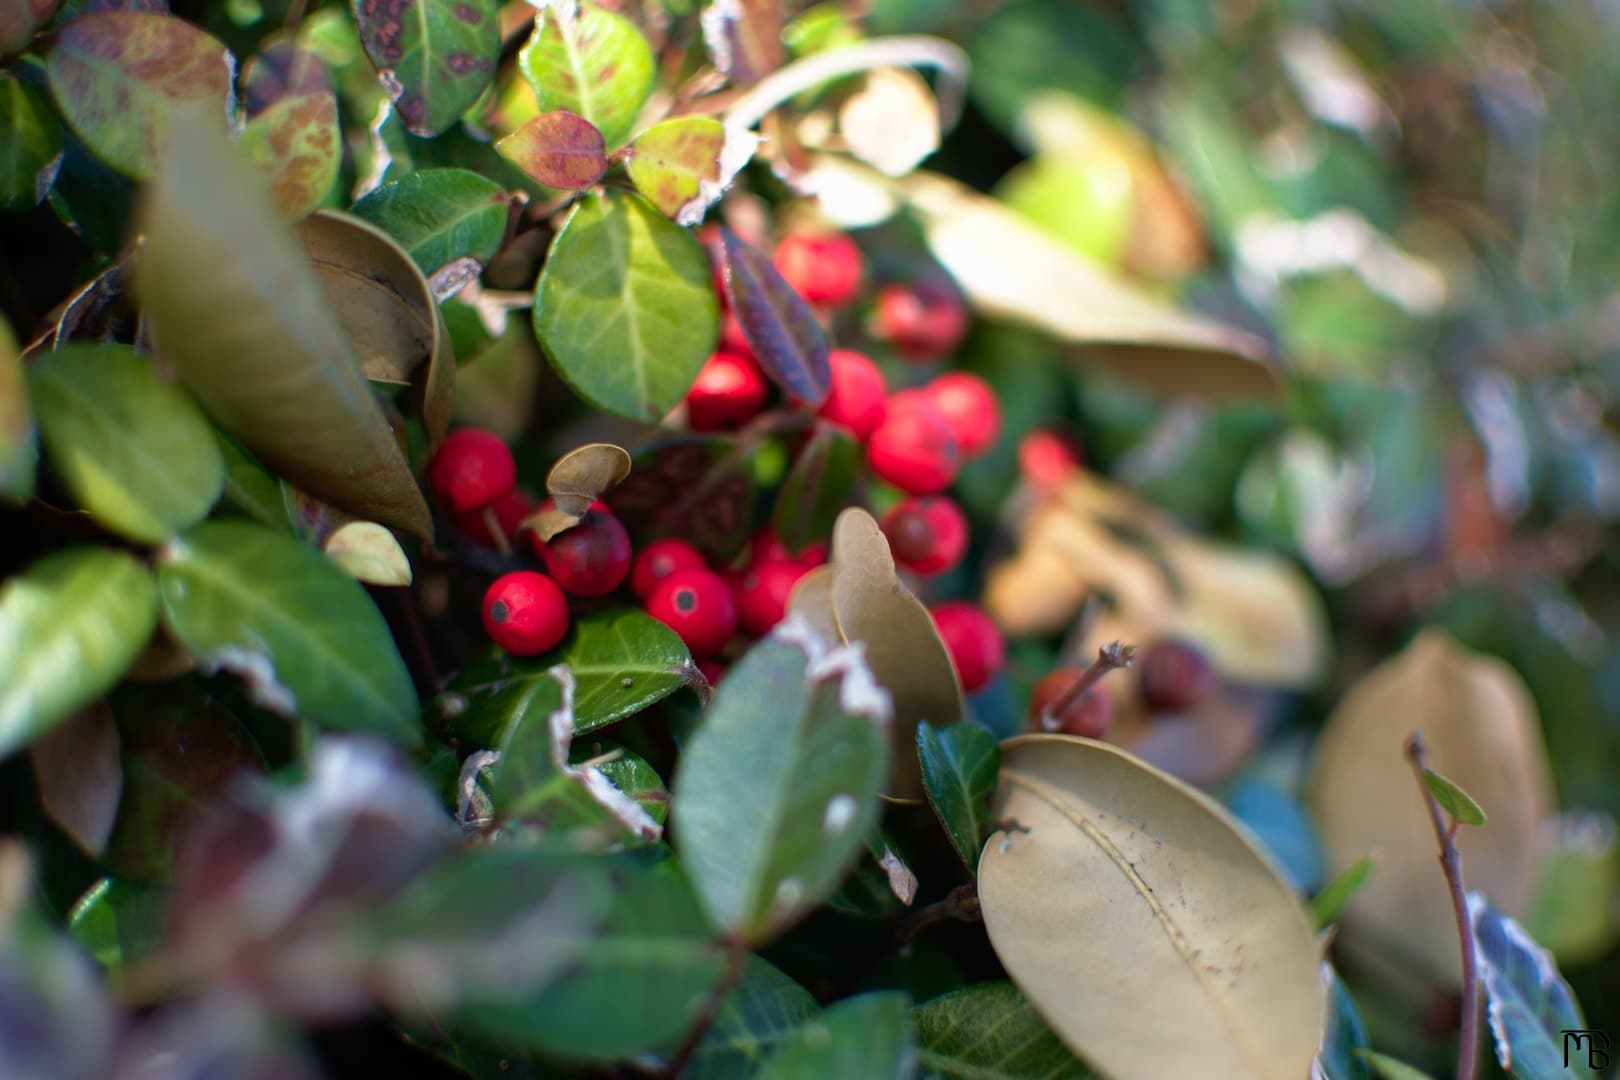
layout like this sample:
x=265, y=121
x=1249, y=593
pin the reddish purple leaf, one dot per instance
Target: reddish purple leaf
x=557, y=149
x=282, y=70
x=779, y=325
x=744, y=38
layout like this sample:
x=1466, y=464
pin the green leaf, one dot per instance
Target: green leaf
x=257, y=340
x=249, y=486
x=30, y=144
x=763, y=1009
x=1330, y=901
x=440, y=215
x=1453, y=799
x=1575, y=889
x=682, y=165
x=1528, y=1003
x=592, y=62
x=435, y=56
x=625, y=307
x=603, y=651
x=1389, y=1068
x=69, y=626
x=817, y=487
x=118, y=921
x=960, y=763
x=773, y=803
x=780, y=327
x=19, y=448
x=296, y=144
x=134, y=451
x=698, y=487
x=989, y=1032
x=301, y=632
x=1344, y=1035
x=122, y=77
x=870, y=1035
x=557, y=149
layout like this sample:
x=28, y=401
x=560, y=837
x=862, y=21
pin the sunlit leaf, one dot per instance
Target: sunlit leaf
x=744, y=38
x=892, y=122
x=682, y=165
x=118, y=921
x=989, y=1032
x=959, y=765
x=439, y=215
x=558, y=149
x=435, y=57
x=780, y=327
x=296, y=144
x=30, y=144
x=589, y=61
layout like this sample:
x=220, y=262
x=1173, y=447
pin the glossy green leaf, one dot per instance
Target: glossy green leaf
x=19, y=445
x=870, y=1035
x=30, y=144
x=697, y=487
x=1344, y=1035
x=439, y=215
x=683, y=164
x=135, y=451
x=772, y=804
x=1527, y=1001
x=435, y=56
x=557, y=149
x=603, y=651
x=625, y=308
x=122, y=77
x=303, y=634
x=296, y=144
x=989, y=1032
x=817, y=487
x=257, y=341
x=959, y=767
x=1453, y=799
x=592, y=62
x=118, y=922
x=763, y=1009
x=69, y=626
x=780, y=327
x=1327, y=904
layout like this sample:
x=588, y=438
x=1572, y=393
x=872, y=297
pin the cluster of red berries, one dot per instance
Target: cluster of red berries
x=1172, y=677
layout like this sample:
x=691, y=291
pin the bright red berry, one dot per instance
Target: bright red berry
x=590, y=559
x=732, y=338
x=525, y=612
x=1047, y=459
x=762, y=593
x=1176, y=676
x=472, y=468
x=922, y=322
x=1091, y=714
x=767, y=547
x=971, y=407
x=658, y=560
x=855, y=395
x=508, y=512
x=914, y=448
x=974, y=642
x=822, y=269
x=927, y=533
x=698, y=606
x=730, y=390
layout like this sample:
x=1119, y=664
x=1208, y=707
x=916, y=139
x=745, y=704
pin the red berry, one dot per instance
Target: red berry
x=713, y=670
x=732, y=338
x=525, y=612
x=729, y=391
x=1090, y=715
x=971, y=407
x=922, y=321
x=767, y=547
x=855, y=397
x=914, y=448
x=762, y=593
x=927, y=533
x=660, y=559
x=1047, y=459
x=822, y=269
x=698, y=606
x=1176, y=676
x=590, y=559
x=974, y=642
x=472, y=468
x=508, y=511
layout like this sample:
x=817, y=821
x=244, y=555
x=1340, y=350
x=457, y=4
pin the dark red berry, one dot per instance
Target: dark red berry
x=472, y=468
x=658, y=560
x=855, y=399
x=1176, y=676
x=922, y=322
x=762, y=593
x=730, y=390
x=927, y=533
x=767, y=547
x=698, y=606
x=508, y=513
x=713, y=670
x=525, y=613
x=822, y=269
x=1090, y=715
x=1047, y=459
x=975, y=643
x=971, y=407
x=732, y=338
x=590, y=559
x=914, y=448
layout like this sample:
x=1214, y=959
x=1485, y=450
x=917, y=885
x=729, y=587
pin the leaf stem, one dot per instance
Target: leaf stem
x=960, y=905
x=1110, y=656
x=1451, y=864
x=736, y=964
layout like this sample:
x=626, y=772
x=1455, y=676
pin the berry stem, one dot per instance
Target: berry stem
x=1110, y=656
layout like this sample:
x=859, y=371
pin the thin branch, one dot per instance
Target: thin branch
x=736, y=964
x=961, y=905
x=1110, y=656
x=1451, y=863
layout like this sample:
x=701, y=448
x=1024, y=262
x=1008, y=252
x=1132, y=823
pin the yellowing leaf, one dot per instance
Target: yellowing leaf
x=684, y=164
x=295, y=142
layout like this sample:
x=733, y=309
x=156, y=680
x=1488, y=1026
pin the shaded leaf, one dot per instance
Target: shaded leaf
x=1453, y=799
x=589, y=61
x=989, y=1032
x=1344, y=1036
x=808, y=771
x=817, y=487
x=780, y=327
x=249, y=486
x=305, y=636
x=1528, y=1003
x=435, y=57
x=558, y=149
x=624, y=308
x=1389, y=1068
x=296, y=144
x=683, y=164
x=135, y=451
x=122, y=78
x=368, y=552
x=868, y=1035
x=30, y=144
x=19, y=21
x=1327, y=904
x=1175, y=899
x=117, y=922
x=697, y=487
x=959, y=766
x=1574, y=889
x=764, y=1008
x=744, y=38
x=79, y=776
x=256, y=340
x=440, y=215
x=282, y=69
x=69, y=626
x=1281, y=826
x=19, y=448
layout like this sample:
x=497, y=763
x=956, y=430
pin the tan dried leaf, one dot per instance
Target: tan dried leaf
x=892, y=122
x=581, y=476
x=368, y=552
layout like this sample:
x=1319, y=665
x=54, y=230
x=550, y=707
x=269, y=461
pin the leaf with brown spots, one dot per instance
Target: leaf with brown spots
x=282, y=70
x=119, y=79
x=295, y=142
x=684, y=164
x=557, y=149
x=435, y=57
x=592, y=62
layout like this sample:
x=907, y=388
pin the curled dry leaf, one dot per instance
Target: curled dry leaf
x=892, y=122
x=80, y=777
x=1107, y=865
x=1483, y=733
x=578, y=479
